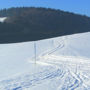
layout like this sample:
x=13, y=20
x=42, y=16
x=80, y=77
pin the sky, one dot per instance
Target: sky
x=76, y=6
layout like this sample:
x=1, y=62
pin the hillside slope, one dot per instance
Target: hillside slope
x=62, y=64
x=30, y=24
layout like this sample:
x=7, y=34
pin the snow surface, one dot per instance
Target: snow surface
x=62, y=64
x=2, y=19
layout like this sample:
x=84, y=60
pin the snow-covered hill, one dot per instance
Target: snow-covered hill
x=62, y=64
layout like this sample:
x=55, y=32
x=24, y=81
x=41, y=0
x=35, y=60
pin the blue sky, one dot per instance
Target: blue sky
x=77, y=6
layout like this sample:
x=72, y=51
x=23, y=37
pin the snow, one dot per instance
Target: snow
x=62, y=64
x=2, y=19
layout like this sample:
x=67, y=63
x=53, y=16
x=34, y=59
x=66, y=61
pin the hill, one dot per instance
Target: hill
x=30, y=24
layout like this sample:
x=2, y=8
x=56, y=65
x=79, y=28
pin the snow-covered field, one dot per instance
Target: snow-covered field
x=2, y=19
x=63, y=63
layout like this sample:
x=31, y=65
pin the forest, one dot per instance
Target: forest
x=31, y=24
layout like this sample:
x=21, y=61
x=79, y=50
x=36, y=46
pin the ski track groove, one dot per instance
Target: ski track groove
x=37, y=78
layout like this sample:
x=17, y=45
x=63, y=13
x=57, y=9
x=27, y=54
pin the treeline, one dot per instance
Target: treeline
x=29, y=24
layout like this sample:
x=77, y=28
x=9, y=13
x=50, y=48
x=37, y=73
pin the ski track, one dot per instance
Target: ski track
x=70, y=77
